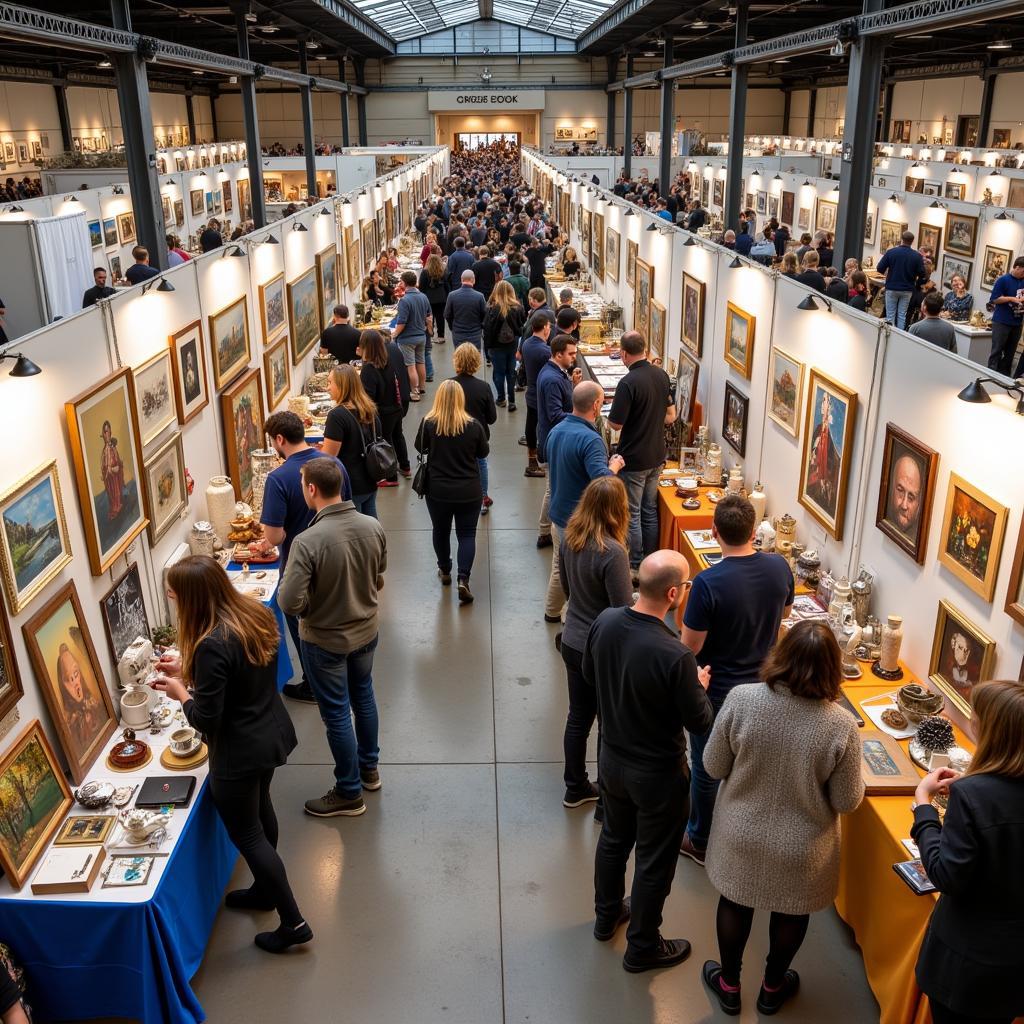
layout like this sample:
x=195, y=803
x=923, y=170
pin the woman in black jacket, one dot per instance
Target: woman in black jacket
x=453, y=442
x=387, y=385
x=351, y=426
x=972, y=959
x=432, y=285
x=479, y=403
x=228, y=644
x=504, y=321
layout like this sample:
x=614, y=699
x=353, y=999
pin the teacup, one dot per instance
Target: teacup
x=184, y=741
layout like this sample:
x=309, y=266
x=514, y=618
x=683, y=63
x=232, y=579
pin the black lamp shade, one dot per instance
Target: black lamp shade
x=652, y=227
x=24, y=367
x=975, y=393
x=736, y=263
x=690, y=241
x=808, y=303
x=165, y=285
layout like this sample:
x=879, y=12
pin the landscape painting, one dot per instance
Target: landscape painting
x=304, y=311
x=229, y=337
x=787, y=380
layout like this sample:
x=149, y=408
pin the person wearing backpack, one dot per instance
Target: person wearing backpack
x=503, y=326
x=387, y=385
x=351, y=426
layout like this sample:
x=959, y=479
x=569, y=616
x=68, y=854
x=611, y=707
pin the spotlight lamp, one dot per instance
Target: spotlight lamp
x=23, y=366
x=808, y=303
x=807, y=183
x=163, y=286
x=976, y=394
x=299, y=226
x=235, y=251
x=1003, y=215
x=736, y=263
x=894, y=198
x=629, y=212
x=935, y=204
x=325, y=212
x=690, y=240
x=269, y=240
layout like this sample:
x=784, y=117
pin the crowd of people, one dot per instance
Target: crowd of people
x=28, y=188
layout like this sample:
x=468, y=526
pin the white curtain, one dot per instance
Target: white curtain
x=65, y=262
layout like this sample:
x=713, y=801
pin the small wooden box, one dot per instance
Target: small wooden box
x=886, y=769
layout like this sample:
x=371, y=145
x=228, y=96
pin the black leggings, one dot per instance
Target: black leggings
x=245, y=808
x=944, y=1015
x=391, y=430
x=531, y=428
x=579, y=721
x=466, y=515
x=437, y=308
x=785, y=936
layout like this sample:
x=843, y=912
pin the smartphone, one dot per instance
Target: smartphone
x=913, y=873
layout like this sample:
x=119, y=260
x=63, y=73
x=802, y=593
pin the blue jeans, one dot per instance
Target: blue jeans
x=897, y=305
x=703, y=790
x=642, y=490
x=366, y=503
x=343, y=686
x=504, y=363
x=482, y=463
x=426, y=356
x=292, y=622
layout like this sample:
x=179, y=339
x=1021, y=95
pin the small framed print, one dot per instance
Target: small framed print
x=739, y=339
x=972, y=536
x=154, y=396
x=124, y=612
x=1015, y=592
x=272, y=308
x=686, y=386
x=906, y=490
x=85, y=830
x=691, y=323
x=126, y=870
x=929, y=237
x=229, y=340
x=126, y=228
x=826, y=216
x=961, y=234
x=657, y=336
x=734, y=419
x=188, y=359
x=994, y=264
x=953, y=266
x=787, y=382
x=277, y=372
x=962, y=656
x=165, y=488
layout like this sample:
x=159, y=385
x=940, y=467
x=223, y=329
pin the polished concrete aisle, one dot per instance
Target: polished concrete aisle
x=464, y=894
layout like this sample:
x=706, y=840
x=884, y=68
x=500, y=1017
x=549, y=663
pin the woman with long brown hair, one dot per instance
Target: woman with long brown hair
x=387, y=385
x=972, y=958
x=504, y=320
x=351, y=425
x=228, y=655
x=432, y=284
x=594, y=571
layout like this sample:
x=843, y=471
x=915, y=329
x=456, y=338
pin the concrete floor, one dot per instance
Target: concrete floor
x=464, y=894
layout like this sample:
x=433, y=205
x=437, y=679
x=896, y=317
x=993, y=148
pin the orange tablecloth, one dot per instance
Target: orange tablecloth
x=673, y=519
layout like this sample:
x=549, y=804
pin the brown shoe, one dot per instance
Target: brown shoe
x=687, y=849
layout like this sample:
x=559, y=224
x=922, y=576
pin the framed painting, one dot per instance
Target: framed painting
x=972, y=536
x=657, y=338
x=734, y=419
x=65, y=663
x=952, y=265
x=705, y=192
x=825, y=217
x=109, y=232
x=691, y=323
x=327, y=283
x=197, y=202
x=209, y=202
x=243, y=418
x=958, y=190
x=787, y=382
x=1015, y=194
x=597, y=247
x=34, y=544
x=827, y=451
x=124, y=612
x=166, y=489
x=366, y=238
x=351, y=257
x=115, y=270
x=95, y=234
x=803, y=221
x=108, y=458
x=272, y=308
x=962, y=656
x=611, y=254
x=914, y=185
x=929, y=236
x=34, y=798
x=643, y=292
x=179, y=212
x=631, y=254
x=892, y=234
x=126, y=228
x=389, y=220
x=773, y=206
x=1015, y=592
x=869, y=227
x=277, y=373
x=686, y=386
x=761, y=202
x=188, y=358
x=995, y=263
x=906, y=491
x=304, y=312
x=381, y=231
x=961, y=234
x=229, y=204
x=587, y=235
x=154, y=396
x=739, y=339
x=165, y=204
x=718, y=192
x=229, y=342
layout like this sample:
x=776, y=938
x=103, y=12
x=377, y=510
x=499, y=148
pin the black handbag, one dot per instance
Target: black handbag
x=421, y=478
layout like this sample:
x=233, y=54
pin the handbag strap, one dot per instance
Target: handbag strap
x=359, y=427
x=422, y=437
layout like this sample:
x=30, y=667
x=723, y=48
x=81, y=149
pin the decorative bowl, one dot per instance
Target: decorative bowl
x=917, y=703
x=94, y=795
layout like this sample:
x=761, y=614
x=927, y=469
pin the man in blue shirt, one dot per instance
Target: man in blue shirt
x=464, y=311
x=744, y=240
x=533, y=354
x=140, y=270
x=1007, y=299
x=414, y=322
x=461, y=259
x=903, y=267
x=285, y=513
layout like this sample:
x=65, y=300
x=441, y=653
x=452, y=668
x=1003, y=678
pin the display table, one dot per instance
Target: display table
x=284, y=661
x=974, y=343
x=673, y=519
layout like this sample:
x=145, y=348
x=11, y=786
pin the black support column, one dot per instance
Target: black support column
x=139, y=148
x=886, y=118
x=613, y=69
x=360, y=68
x=668, y=121
x=190, y=113
x=61, y=92
x=306, y=92
x=253, y=151
x=344, y=104
x=985, y=120
x=627, y=122
x=787, y=105
x=737, y=124
x=812, y=109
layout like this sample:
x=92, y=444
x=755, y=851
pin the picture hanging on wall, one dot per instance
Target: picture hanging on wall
x=165, y=205
x=126, y=228
x=327, y=283
x=209, y=204
x=124, y=612
x=631, y=251
x=366, y=237
x=304, y=313
x=154, y=396
x=739, y=339
x=166, y=488
x=691, y=322
x=243, y=417
x=1015, y=592
x=597, y=246
x=787, y=377
x=179, y=212
x=761, y=203
x=958, y=190
x=734, y=419
x=272, y=308
x=188, y=357
x=11, y=690
x=929, y=237
x=995, y=263
x=389, y=220
x=705, y=192
x=1015, y=195
x=657, y=337
x=686, y=386
x=381, y=232
x=749, y=204
x=718, y=192
x=961, y=234
x=229, y=342
x=773, y=206
x=643, y=292
x=962, y=656
x=108, y=458
x=892, y=234
x=109, y=232
x=587, y=236
x=351, y=248
x=115, y=270
x=197, y=202
x=29, y=774
x=971, y=539
x=825, y=218
x=914, y=185
x=827, y=451
x=611, y=254
x=95, y=234
x=65, y=663
x=804, y=220
x=228, y=202
x=277, y=371
x=906, y=491
x=869, y=227
x=932, y=188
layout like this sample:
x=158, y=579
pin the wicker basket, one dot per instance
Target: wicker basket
x=917, y=703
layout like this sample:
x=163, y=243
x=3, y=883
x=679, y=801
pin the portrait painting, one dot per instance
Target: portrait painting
x=124, y=612
x=906, y=490
x=892, y=234
x=787, y=382
x=107, y=456
x=962, y=656
x=65, y=663
x=154, y=396
x=827, y=451
x=718, y=192
x=351, y=249
x=955, y=265
x=327, y=282
x=972, y=536
x=643, y=292
x=197, y=202
x=304, y=312
x=929, y=237
x=34, y=798
x=109, y=232
x=597, y=247
x=95, y=234
x=166, y=490
x=996, y=262
x=126, y=228
x=229, y=342
x=1015, y=591
x=961, y=234
x=788, y=207
x=277, y=373
x=611, y=254
x=686, y=386
x=803, y=222
x=734, y=419
x=656, y=341
x=243, y=418
x=188, y=358
x=739, y=339
x=631, y=255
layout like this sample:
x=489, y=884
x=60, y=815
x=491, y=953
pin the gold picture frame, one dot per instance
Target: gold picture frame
x=166, y=490
x=304, y=313
x=643, y=294
x=906, y=492
x=85, y=830
x=612, y=245
x=971, y=541
x=659, y=315
x=632, y=250
x=154, y=396
x=273, y=308
x=277, y=368
x=243, y=416
x=230, y=344
x=351, y=244
x=785, y=401
x=691, y=322
x=188, y=359
x=1015, y=591
x=326, y=262
x=739, y=339
x=962, y=656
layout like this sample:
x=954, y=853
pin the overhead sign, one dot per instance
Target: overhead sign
x=485, y=99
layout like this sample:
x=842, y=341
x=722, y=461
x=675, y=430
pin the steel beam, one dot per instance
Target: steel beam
x=350, y=16
x=344, y=104
x=251, y=124
x=812, y=110
x=627, y=123
x=360, y=69
x=61, y=93
x=308, y=144
x=190, y=113
x=668, y=123
x=737, y=128
x=985, y=119
x=612, y=62
x=787, y=109
x=886, y=118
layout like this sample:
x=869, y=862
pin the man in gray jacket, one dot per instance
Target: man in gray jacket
x=335, y=569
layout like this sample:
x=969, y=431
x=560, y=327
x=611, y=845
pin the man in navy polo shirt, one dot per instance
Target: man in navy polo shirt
x=903, y=267
x=1007, y=299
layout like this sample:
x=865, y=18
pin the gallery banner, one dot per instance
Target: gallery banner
x=439, y=100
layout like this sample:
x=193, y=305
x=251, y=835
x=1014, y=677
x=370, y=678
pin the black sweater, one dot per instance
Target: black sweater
x=343, y=427
x=453, y=472
x=479, y=400
x=493, y=320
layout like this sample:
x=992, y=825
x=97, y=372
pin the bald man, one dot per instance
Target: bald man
x=649, y=692
x=905, y=495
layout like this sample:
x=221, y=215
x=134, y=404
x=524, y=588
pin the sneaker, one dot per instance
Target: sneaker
x=484, y=510
x=552, y=618
x=465, y=594
x=333, y=805
x=522, y=440
x=577, y=798
x=488, y=501
x=301, y=692
x=370, y=778
x=387, y=483
x=667, y=953
x=604, y=931
x=500, y=403
x=729, y=1001
x=769, y=1003
x=430, y=380
x=544, y=541
x=534, y=471
x=687, y=849
x=511, y=406
x=444, y=577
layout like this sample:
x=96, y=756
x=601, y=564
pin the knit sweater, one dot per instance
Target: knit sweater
x=789, y=767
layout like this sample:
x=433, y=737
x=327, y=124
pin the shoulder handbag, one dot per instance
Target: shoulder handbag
x=421, y=478
x=379, y=455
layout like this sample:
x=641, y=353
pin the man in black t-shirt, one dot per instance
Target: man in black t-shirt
x=487, y=272
x=340, y=338
x=100, y=290
x=640, y=411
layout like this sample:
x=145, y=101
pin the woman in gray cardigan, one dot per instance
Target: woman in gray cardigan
x=789, y=759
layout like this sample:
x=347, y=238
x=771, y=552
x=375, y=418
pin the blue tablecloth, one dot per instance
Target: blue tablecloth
x=284, y=661
x=87, y=960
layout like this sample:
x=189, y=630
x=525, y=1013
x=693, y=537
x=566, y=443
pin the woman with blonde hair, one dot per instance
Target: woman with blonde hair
x=452, y=442
x=228, y=655
x=351, y=425
x=972, y=958
x=594, y=571
x=570, y=262
x=479, y=402
x=504, y=320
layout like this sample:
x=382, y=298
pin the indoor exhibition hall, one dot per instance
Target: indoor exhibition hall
x=513, y=512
